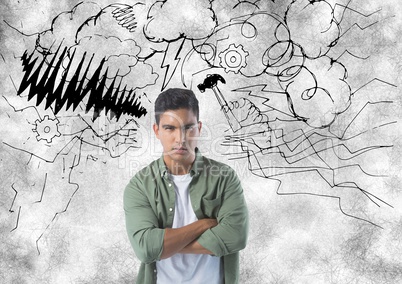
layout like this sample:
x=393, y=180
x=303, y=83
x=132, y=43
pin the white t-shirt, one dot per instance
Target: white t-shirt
x=187, y=268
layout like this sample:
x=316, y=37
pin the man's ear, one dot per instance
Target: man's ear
x=156, y=130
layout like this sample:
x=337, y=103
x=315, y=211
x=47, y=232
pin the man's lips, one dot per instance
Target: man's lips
x=180, y=149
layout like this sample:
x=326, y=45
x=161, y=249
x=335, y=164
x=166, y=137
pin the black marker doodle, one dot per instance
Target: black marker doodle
x=64, y=72
x=307, y=91
x=113, y=100
x=314, y=86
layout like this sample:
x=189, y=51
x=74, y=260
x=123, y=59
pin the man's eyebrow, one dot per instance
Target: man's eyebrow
x=172, y=126
x=168, y=125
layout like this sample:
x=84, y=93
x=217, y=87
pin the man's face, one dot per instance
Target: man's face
x=178, y=131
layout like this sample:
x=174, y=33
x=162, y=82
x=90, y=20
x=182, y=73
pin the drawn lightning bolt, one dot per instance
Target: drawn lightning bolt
x=171, y=60
x=273, y=100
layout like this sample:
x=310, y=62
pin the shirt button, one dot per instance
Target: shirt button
x=170, y=184
x=155, y=270
x=170, y=209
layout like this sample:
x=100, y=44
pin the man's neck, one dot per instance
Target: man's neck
x=177, y=168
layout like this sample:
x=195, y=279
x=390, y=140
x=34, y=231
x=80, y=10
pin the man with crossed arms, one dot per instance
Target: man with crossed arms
x=186, y=215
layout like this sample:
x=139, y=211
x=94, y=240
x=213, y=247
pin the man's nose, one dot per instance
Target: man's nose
x=181, y=135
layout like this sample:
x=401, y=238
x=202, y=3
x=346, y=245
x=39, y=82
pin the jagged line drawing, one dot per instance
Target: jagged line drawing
x=178, y=35
x=289, y=73
x=78, y=136
x=171, y=67
x=75, y=91
x=43, y=190
x=346, y=7
x=270, y=134
x=372, y=81
x=263, y=171
x=292, y=156
x=75, y=163
x=354, y=118
x=284, y=59
x=350, y=53
x=67, y=205
x=18, y=218
x=15, y=196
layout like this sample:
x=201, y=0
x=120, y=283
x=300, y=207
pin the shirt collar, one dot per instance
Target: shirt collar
x=196, y=168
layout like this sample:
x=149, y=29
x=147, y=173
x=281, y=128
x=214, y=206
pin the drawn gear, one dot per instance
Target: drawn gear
x=46, y=129
x=233, y=58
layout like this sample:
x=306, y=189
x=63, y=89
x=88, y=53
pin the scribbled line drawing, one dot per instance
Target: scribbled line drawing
x=68, y=156
x=294, y=76
x=11, y=208
x=125, y=16
x=73, y=75
x=15, y=196
x=43, y=190
x=297, y=136
x=77, y=99
x=75, y=163
x=77, y=140
x=65, y=208
x=272, y=153
x=70, y=94
x=18, y=218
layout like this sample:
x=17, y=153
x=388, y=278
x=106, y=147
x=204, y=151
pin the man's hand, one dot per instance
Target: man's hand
x=175, y=240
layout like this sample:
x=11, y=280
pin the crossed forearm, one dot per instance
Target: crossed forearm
x=195, y=248
x=183, y=239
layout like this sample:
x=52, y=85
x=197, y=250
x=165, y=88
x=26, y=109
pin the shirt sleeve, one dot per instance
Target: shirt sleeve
x=230, y=235
x=145, y=236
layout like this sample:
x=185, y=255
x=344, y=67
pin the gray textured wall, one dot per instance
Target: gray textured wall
x=312, y=127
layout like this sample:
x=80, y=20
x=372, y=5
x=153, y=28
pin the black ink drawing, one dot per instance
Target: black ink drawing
x=307, y=91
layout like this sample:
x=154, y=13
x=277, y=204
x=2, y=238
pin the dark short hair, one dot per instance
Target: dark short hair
x=176, y=98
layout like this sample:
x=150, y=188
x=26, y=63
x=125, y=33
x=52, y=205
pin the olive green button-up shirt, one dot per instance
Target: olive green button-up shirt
x=215, y=192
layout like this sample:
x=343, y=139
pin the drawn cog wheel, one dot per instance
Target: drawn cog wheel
x=233, y=58
x=47, y=129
